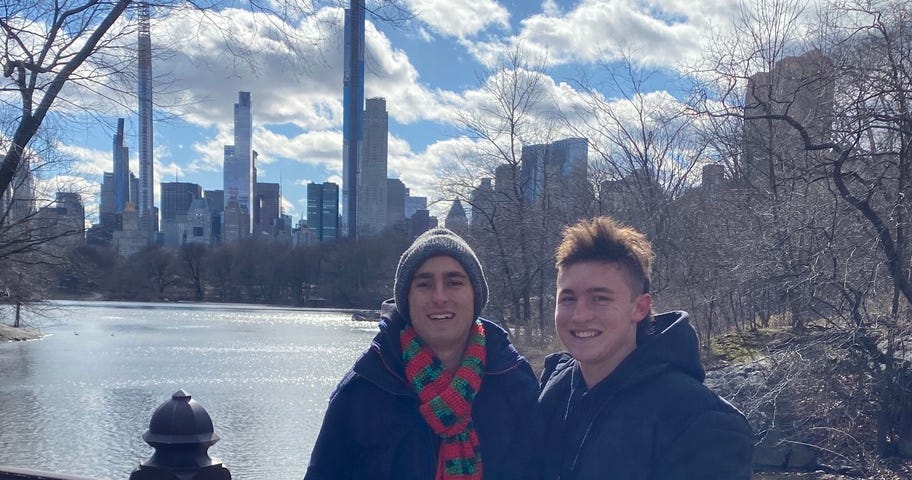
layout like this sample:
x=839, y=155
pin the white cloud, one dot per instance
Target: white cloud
x=661, y=33
x=461, y=18
x=550, y=8
x=88, y=161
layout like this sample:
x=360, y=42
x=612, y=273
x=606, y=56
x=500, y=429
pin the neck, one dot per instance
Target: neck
x=451, y=357
x=594, y=373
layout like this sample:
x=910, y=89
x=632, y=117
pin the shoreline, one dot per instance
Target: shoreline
x=11, y=334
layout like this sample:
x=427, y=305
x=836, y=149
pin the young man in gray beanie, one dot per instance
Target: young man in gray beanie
x=441, y=393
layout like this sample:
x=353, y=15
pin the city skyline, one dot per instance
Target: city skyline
x=297, y=127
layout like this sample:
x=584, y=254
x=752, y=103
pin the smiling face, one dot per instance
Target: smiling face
x=441, y=304
x=596, y=315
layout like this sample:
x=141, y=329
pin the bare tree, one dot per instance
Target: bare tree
x=44, y=46
x=511, y=226
x=193, y=260
x=646, y=153
x=826, y=157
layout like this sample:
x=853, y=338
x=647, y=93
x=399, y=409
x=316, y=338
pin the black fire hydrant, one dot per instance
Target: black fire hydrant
x=181, y=433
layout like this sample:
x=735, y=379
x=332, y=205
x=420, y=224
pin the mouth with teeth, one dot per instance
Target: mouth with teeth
x=440, y=316
x=584, y=334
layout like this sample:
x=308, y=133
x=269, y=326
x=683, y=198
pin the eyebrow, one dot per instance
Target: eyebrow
x=588, y=290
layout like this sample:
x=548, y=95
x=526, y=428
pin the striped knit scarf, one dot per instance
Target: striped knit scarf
x=446, y=400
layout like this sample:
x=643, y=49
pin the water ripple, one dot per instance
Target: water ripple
x=78, y=400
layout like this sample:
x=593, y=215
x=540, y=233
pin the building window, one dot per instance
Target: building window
x=197, y=231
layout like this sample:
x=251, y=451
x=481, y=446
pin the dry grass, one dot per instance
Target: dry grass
x=8, y=333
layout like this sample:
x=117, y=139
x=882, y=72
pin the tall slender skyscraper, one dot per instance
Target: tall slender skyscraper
x=353, y=112
x=147, y=218
x=372, y=185
x=238, y=169
x=121, y=169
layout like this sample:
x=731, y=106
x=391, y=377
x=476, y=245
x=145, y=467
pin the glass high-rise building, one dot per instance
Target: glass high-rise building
x=121, y=186
x=238, y=166
x=323, y=210
x=552, y=165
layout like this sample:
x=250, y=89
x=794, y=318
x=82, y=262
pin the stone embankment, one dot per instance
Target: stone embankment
x=778, y=397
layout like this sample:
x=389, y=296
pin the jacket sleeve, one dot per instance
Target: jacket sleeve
x=715, y=445
x=331, y=455
x=532, y=431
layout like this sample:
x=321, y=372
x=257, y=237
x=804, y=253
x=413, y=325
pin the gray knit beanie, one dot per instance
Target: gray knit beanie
x=439, y=241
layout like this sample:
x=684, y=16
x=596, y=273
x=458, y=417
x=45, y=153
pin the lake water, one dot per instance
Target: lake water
x=78, y=400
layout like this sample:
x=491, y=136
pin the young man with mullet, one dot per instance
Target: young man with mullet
x=627, y=400
x=441, y=394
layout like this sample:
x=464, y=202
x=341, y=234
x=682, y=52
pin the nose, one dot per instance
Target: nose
x=439, y=293
x=581, y=311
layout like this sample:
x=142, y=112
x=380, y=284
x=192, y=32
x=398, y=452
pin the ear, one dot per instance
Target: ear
x=641, y=307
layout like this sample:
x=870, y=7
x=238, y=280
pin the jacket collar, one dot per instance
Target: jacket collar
x=382, y=364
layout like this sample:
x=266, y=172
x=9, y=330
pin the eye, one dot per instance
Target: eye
x=456, y=282
x=566, y=299
x=421, y=284
x=601, y=299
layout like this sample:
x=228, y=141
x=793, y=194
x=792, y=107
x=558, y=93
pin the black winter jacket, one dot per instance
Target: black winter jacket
x=373, y=429
x=651, y=418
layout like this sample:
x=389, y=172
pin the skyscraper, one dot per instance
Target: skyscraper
x=395, y=201
x=796, y=86
x=215, y=200
x=238, y=168
x=353, y=107
x=323, y=210
x=106, y=202
x=121, y=169
x=74, y=211
x=373, y=181
x=414, y=205
x=176, y=198
x=548, y=168
x=63, y=225
x=267, y=208
x=134, y=190
x=482, y=204
x=21, y=196
x=147, y=220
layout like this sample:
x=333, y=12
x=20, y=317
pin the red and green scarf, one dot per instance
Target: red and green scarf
x=446, y=400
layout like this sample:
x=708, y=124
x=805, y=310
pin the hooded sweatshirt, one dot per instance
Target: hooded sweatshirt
x=650, y=418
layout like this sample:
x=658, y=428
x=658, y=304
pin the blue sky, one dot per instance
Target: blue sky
x=427, y=69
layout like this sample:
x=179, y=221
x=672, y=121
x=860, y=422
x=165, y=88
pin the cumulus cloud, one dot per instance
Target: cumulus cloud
x=88, y=161
x=660, y=33
x=461, y=18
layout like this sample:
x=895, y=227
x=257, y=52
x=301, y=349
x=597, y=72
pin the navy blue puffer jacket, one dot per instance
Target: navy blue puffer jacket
x=373, y=429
